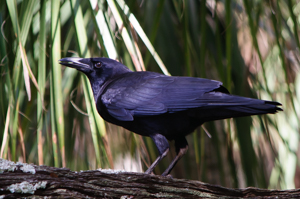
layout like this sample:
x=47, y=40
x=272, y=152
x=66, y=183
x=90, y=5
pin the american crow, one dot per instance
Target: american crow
x=159, y=106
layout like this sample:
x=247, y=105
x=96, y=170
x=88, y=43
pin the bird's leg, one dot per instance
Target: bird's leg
x=163, y=147
x=181, y=148
x=153, y=165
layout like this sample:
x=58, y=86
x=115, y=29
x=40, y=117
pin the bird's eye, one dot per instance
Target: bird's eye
x=98, y=65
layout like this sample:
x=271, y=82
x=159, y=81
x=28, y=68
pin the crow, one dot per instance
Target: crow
x=159, y=106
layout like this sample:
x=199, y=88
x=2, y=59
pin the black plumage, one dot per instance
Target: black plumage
x=159, y=106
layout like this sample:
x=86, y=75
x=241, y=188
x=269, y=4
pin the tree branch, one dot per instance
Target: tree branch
x=24, y=180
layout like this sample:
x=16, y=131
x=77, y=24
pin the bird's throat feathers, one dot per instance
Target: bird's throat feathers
x=98, y=85
x=100, y=79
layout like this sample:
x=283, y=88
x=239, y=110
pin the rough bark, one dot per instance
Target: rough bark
x=23, y=180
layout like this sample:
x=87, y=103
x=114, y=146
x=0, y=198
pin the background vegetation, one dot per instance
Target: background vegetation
x=47, y=112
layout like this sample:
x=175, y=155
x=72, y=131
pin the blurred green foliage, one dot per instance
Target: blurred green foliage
x=47, y=112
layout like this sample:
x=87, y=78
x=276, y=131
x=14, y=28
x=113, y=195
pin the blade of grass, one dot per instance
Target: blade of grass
x=25, y=72
x=56, y=100
x=5, y=83
x=102, y=31
x=15, y=118
x=126, y=38
x=203, y=36
x=228, y=43
x=187, y=56
x=12, y=8
x=142, y=35
x=293, y=16
x=219, y=47
x=41, y=80
x=138, y=52
x=53, y=126
x=154, y=29
x=4, y=145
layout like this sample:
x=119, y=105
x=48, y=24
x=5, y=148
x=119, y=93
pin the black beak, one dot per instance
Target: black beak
x=81, y=64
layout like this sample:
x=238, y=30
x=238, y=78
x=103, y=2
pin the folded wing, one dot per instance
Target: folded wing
x=151, y=93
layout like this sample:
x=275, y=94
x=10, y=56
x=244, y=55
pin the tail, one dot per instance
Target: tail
x=229, y=106
x=258, y=108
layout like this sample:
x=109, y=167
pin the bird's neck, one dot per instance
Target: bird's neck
x=98, y=86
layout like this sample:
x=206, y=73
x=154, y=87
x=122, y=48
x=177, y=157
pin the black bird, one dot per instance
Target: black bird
x=159, y=106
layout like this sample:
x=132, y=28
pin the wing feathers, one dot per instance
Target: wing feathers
x=147, y=93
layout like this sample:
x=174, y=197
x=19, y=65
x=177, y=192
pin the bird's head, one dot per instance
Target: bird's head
x=98, y=70
x=95, y=67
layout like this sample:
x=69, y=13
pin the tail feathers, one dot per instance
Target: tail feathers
x=244, y=107
x=273, y=103
x=256, y=109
